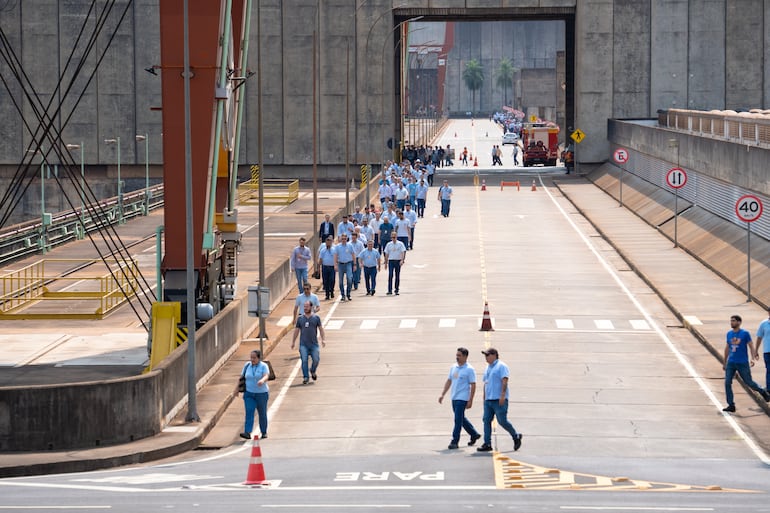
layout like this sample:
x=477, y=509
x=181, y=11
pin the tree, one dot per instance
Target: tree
x=473, y=76
x=504, y=76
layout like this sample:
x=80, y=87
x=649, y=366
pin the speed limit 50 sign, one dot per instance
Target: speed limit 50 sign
x=748, y=208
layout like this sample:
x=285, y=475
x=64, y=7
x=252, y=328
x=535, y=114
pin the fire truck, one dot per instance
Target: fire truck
x=541, y=144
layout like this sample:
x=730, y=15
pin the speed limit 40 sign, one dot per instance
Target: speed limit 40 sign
x=748, y=208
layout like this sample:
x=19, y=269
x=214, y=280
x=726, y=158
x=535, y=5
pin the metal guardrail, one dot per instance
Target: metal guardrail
x=277, y=191
x=750, y=128
x=27, y=293
x=33, y=237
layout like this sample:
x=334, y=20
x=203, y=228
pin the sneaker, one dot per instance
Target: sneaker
x=389, y=294
x=729, y=408
x=372, y=292
x=474, y=439
x=396, y=293
x=349, y=298
x=484, y=448
x=246, y=435
x=304, y=381
x=452, y=446
x=314, y=376
x=343, y=299
x=517, y=442
x=263, y=436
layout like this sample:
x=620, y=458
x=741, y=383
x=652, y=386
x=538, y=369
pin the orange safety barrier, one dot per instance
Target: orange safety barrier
x=510, y=184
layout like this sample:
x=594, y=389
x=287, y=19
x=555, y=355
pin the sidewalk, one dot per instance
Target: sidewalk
x=699, y=298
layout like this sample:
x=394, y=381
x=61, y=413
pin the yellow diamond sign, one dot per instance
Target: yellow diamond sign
x=577, y=135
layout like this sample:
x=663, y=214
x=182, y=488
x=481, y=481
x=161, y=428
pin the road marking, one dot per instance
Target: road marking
x=513, y=474
x=285, y=320
x=334, y=324
x=639, y=324
x=692, y=320
x=336, y=506
x=633, y=508
x=564, y=324
x=369, y=324
x=679, y=356
x=447, y=323
x=46, y=508
x=408, y=323
x=525, y=323
x=604, y=324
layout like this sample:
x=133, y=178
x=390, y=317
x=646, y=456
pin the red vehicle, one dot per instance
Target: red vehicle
x=541, y=144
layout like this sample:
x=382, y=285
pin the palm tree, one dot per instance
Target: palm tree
x=473, y=75
x=504, y=76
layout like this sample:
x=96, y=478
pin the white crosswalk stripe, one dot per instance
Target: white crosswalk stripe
x=447, y=323
x=639, y=324
x=408, y=323
x=284, y=321
x=604, y=324
x=525, y=323
x=369, y=324
x=565, y=324
x=334, y=324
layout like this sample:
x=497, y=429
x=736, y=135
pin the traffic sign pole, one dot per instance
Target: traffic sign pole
x=676, y=178
x=620, y=156
x=748, y=208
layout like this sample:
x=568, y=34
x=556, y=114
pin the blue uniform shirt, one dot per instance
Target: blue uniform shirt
x=253, y=374
x=345, y=253
x=764, y=332
x=326, y=255
x=493, y=380
x=369, y=257
x=461, y=377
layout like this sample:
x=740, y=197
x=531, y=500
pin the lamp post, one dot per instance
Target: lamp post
x=43, y=217
x=82, y=190
x=146, y=139
x=116, y=142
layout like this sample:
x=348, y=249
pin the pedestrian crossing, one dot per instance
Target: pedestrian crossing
x=500, y=324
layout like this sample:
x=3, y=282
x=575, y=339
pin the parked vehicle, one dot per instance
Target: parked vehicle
x=510, y=138
x=541, y=144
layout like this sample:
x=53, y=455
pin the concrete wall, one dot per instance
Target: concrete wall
x=632, y=57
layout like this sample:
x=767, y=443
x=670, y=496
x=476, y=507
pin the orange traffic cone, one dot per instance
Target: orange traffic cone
x=486, y=321
x=475, y=162
x=534, y=187
x=256, y=473
x=483, y=185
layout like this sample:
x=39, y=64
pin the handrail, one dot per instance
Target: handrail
x=27, y=238
x=750, y=128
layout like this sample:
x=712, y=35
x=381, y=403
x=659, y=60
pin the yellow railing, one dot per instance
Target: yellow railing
x=277, y=191
x=34, y=292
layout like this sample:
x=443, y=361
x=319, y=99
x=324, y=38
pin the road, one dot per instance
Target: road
x=615, y=400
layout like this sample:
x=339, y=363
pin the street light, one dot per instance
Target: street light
x=82, y=178
x=145, y=138
x=116, y=142
x=45, y=219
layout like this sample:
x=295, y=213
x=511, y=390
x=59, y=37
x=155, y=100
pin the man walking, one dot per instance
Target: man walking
x=300, y=257
x=308, y=326
x=736, y=357
x=358, y=247
x=411, y=216
x=345, y=262
x=326, y=263
x=763, y=337
x=326, y=229
x=445, y=196
x=403, y=233
x=462, y=380
x=496, y=400
x=369, y=259
x=395, y=254
x=306, y=297
x=422, y=195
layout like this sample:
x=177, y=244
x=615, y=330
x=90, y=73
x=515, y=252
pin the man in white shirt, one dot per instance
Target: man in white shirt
x=403, y=233
x=411, y=216
x=395, y=255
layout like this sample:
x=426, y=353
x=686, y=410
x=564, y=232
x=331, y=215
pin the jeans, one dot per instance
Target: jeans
x=252, y=401
x=493, y=409
x=301, y=278
x=445, y=207
x=370, y=277
x=314, y=352
x=461, y=422
x=405, y=241
x=400, y=204
x=411, y=239
x=328, y=276
x=744, y=371
x=767, y=370
x=421, y=207
x=394, y=267
x=345, y=271
x=356, y=276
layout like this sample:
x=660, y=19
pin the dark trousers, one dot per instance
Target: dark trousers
x=394, y=268
x=327, y=273
x=767, y=370
x=370, y=277
x=461, y=421
x=421, y=207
